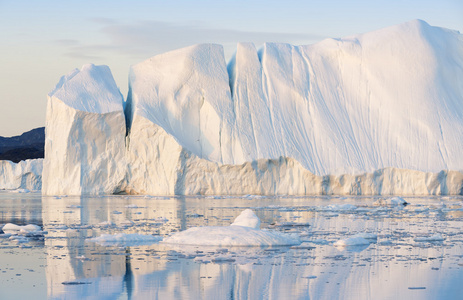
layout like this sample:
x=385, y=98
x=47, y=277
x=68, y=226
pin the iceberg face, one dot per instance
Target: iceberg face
x=26, y=174
x=85, y=134
x=186, y=92
x=338, y=106
x=284, y=119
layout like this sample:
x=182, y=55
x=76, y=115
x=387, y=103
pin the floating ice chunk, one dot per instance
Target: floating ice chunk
x=74, y=206
x=391, y=202
x=247, y=234
x=133, y=206
x=14, y=229
x=247, y=218
x=352, y=241
x=340, y=207
x=123, y=239
x=231, y=236
x=434, y=238
x=105, y=224
x=358, y=239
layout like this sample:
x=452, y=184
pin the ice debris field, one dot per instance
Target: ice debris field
x=378, y=113
x=145, y=247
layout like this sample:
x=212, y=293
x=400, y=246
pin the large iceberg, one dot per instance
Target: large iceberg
x=390, y=98
x=85, y=134
x=383, y=108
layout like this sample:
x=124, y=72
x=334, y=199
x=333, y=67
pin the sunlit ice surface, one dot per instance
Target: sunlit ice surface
x=412, y=251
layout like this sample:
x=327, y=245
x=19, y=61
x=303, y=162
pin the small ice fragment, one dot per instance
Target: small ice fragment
x=340, y=207
x=125, y=239
x=394, y=201
x=434, y=238
x=105, y=224
x=74, y=206
x=132, y=206
x=358, y=239
x=352, y=241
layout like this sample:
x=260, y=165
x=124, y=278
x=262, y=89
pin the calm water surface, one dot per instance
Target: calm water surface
x=63, y=264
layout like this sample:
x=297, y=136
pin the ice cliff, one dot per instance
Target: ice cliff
x=26, y=174
x=280, y=120
x=84, y=134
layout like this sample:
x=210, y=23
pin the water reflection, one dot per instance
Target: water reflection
x=395, y=267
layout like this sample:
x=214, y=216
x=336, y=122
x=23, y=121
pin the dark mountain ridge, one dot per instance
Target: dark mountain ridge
x=28, y=145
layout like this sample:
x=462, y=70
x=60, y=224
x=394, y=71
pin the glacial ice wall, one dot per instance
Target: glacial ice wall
x=389, y=98
x=27, y=174
x=84, y=134
x=280, y=120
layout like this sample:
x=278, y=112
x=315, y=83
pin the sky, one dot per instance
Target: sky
x=40, y=41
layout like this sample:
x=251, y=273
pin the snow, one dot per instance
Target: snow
x=125, y=239
x=244, y=231
x=26, y=175
x=85, y=134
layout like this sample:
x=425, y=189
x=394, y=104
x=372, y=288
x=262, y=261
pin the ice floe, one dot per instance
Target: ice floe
x=357, y=240
x=234, y=235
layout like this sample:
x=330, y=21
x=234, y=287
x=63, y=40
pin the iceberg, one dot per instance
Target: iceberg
x=243, y=232
x=84, y=134
x=27, y=174
x=373, y=114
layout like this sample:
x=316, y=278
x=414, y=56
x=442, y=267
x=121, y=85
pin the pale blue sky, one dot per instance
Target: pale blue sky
x=43, y=40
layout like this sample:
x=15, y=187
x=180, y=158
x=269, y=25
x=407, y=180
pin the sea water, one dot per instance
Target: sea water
x=111, y=247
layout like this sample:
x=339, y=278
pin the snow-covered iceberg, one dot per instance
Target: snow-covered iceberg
x=383, y=108
x=27, y=174
x=85, y=134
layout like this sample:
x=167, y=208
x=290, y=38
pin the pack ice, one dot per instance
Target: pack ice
x=383, y=108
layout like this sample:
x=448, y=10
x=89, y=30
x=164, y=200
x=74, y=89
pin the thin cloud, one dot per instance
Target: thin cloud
x=66, y=42
x=148, y=37
x=80, y=55
x=144, y=39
